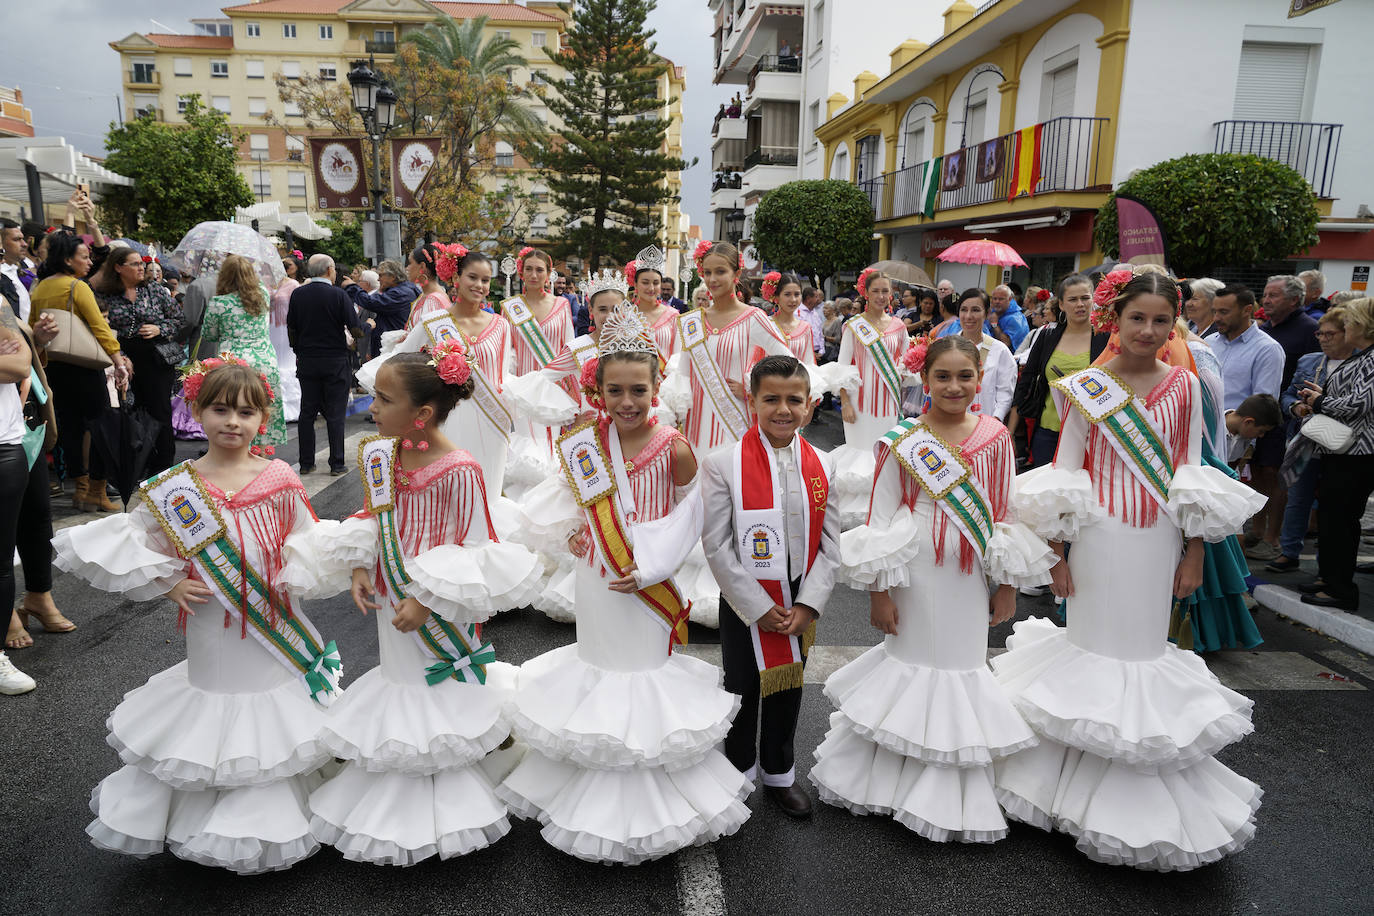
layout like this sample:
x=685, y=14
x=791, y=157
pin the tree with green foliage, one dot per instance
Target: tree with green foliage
x=819, y=227
x=1219, y=210
x=607, y=168
x=183, y=174
x=345, y=242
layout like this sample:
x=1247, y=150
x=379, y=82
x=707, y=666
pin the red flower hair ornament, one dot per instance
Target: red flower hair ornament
x=1042, y=296
x=770, y=284
x=193, y=377
x=520, y=260
x=862, y=284
x=446, y=264
x=631, y=270
x=450, y=360
x=587, y=382
x=914, y=359
x=1103, y=318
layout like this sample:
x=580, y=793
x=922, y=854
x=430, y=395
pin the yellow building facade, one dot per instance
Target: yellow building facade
x=233, y=64
x=1053, y=64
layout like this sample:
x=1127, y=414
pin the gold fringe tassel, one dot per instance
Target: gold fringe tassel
x=779, y=678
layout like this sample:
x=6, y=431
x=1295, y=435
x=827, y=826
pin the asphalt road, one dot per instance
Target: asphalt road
x=1313, y=716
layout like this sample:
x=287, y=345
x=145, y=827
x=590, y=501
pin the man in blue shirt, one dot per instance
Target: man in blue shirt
x=1251, y=360
x=391, y=304
x=1005, y=321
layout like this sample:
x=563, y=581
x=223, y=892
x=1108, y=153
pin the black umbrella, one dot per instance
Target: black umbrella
x=125, y=436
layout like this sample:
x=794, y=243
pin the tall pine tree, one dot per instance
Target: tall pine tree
x=606, y=168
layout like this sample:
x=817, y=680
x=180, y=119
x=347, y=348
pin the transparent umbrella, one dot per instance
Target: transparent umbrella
x=204, y=247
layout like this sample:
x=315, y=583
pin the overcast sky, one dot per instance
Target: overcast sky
x=58, y=53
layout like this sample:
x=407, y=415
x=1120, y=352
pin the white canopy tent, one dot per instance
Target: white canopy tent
x=60, y=169
x=272, y=221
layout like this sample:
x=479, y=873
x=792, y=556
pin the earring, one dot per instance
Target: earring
x=262, y=430
x=419, y=424
x=654, y=402
x=979, y=389
x=1173, y=334
x=407, y=444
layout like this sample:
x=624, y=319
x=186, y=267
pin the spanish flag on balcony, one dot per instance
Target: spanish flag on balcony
x=1025, y=168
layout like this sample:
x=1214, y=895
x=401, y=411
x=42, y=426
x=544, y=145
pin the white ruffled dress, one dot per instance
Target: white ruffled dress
x=1128, y=722
x=875, y=412
x=419, y=770
x=530, y=457
x=623, y=765
x=920, y=718
x=220, y=750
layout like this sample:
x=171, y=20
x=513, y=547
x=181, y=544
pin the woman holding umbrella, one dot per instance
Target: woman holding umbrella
x=147, y=320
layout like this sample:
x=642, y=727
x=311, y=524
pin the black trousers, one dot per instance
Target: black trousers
x=25, y=522
x=324, y=390
x=151, y=387
x=773, y=719
x=1342, y=491
x=79, y=397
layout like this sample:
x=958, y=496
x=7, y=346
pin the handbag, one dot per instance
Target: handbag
x=1332, y=435
x=75, y=343
x=170, y=352
x=35, y=426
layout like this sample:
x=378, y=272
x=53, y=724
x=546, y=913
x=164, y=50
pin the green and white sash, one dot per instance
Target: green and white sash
x=872, y=341
x=194, y=526
x=457, y=651
x=1112, y=406
x=520, y=315
x=693, y=331
x=940, y=470
x=442, y=329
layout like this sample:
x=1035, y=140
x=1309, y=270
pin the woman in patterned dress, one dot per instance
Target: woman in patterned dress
x=238, y=321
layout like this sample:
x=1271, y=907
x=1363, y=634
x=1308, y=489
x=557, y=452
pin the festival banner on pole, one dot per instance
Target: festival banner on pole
x=340, y=182
x=1139, y=237
x=412, y=158
x=1303, y=7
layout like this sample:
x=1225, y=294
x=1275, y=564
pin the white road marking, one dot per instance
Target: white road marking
x=699, y=890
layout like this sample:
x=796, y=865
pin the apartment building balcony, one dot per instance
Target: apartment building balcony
x=752, y=29
x=767, y=167
x=1070, y=151
x=728, y=128
x=131, y=113
x=773, y=79
x=727, y=191
x=142, y=78
x=1309, y=149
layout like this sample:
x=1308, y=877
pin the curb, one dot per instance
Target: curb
x=1353, y=630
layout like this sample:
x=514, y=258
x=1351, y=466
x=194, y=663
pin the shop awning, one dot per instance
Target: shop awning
x=60, y=169
x=271, y=221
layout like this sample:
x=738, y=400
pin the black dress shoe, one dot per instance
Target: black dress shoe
x=791, y=799
x=1365, y=568
x=1328, y=601
x=1312, y=588
x=1284, y=565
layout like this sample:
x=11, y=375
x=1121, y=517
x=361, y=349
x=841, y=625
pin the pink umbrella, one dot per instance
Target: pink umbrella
x=982, y=251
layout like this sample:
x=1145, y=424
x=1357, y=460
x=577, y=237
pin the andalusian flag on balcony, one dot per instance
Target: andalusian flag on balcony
x=930, y=186
x=1025, y=169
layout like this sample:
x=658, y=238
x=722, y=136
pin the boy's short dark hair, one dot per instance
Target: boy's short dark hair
x=1263, y=409
x=780, y=366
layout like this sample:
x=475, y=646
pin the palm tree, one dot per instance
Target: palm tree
x=458, y=46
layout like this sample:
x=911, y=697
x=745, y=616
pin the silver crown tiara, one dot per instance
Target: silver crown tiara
x=602, y=281
x=651, y=258
x=625, y=331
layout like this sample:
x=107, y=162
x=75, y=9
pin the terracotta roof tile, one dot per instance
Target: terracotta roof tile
x=506, y=12
x=289, y=6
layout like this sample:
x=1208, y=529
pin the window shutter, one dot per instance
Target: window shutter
x=1272, y=82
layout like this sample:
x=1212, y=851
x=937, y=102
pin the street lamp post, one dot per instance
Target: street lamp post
x=375, y=103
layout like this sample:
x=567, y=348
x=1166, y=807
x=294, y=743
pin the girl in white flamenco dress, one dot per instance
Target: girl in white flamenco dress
x=1128, y=722
x=541, y=327
x=220, y=750
x=543, y=395
x=868, y=377
x=622, y=731
x=483, y=422
x=920, y=718
x=417, y=733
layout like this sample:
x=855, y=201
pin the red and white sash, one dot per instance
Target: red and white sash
x=762, y=546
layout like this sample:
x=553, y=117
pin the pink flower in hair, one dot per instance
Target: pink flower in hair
x=446, y=265
x=520, y=260
x=770, y=284
x=862, y=284
x=450, y=360
x=631, y=271
x=1103, y=317
x=699, y=253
